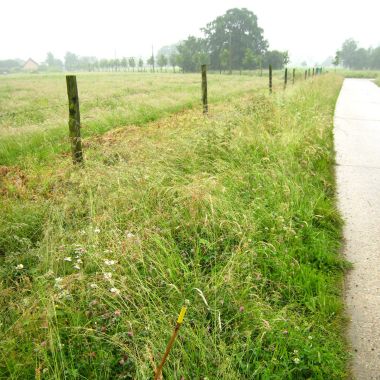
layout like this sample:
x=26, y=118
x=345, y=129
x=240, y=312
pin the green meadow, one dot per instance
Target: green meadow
x=234, y=211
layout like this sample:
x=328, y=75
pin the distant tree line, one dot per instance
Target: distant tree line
x=9, y=65
x=73, y=62
x=233, y=41
x=354, y=57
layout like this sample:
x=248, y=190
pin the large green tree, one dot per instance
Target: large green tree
x=192, y=53
x=347, y=53
x=235, y=31
x=274, y=58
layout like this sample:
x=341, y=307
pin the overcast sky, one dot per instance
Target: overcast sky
x=310, y=30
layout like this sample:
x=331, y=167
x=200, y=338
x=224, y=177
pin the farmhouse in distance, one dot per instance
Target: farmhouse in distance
x=30, y=65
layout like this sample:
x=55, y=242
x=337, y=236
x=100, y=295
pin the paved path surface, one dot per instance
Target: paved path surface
x=357, y=143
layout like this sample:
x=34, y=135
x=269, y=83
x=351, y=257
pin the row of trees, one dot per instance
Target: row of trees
x=73, y=62
x=233, y=41
x=352, y=56
x=9, y=65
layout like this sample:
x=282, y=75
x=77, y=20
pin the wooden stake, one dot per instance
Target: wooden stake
x=286, y=78
x=294, y=75
x=74, y=119
x=171, y=342
x=270, y=79
x=204, y=89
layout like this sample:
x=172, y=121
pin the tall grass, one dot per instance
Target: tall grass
x=234, y=212
x=33, y=109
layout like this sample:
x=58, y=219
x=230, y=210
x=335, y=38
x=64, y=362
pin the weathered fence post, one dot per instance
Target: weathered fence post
x=270, y=79
x=308, y=73
x=286, y=78
x=204, y=89
x=74, y=119
x=305, y=74
x=294, y=76
x=313, y=71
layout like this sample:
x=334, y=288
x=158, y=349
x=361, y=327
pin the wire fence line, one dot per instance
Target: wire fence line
x=83, y=102
x=73, y=103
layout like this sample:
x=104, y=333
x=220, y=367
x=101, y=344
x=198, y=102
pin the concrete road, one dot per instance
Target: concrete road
x=357, y=144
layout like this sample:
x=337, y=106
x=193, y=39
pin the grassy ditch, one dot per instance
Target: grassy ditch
x=234, y=212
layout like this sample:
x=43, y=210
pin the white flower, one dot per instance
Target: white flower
x=97, y=230
x=64, y=294
x=79, y=250
x=93, y=286
x=107, y=275
x=296, y=360
x=130, y=235
x=76, y=267
x=110, y=262
x=67, y=259
x=58, y=280
x=79, y=261
x=115, y=291
x=19, y=266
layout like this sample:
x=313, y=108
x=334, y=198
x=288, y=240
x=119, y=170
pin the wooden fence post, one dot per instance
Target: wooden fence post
x=270, y=79
x=204, y=89
x=286, y=78
x=74, y=119
x=305, y=74
x=294, y=76
x=313, y=71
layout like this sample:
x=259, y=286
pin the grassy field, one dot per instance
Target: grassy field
x=33, y=108
x=234, y=212
x=366, y=74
